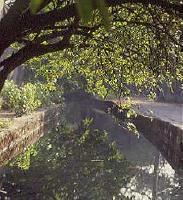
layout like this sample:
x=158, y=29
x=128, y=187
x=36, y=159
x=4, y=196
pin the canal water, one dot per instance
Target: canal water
x=90, y=156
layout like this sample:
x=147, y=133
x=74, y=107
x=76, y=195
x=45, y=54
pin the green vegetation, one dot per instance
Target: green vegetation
x=23, y=161
x=10, y=95
x=112, y=44
x=137, y=55
x=107, y=48
x=71, y=164
x=136, y=51
x=28, y=97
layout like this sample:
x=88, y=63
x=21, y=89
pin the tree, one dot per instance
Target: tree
x=56, y=22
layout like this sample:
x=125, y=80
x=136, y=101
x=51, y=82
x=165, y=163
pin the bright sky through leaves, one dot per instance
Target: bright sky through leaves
x=1, y=4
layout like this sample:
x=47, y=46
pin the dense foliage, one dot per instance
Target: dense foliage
x=141, y=52
x=28, y=97
x=71, y=164
x=141, y=42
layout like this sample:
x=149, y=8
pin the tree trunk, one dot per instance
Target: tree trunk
x=2, y=81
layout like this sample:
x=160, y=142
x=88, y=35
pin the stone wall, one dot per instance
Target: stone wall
x=26, y=130
x=165, y=136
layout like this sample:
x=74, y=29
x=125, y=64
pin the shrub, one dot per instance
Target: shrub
x=49, y=96
x=43, y=94
x=4, y=123
x=29, y=97
x=11, y=95
x=28, y=101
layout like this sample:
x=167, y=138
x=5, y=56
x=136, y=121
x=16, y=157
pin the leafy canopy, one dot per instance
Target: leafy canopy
x=140, y=52
x=141, y=40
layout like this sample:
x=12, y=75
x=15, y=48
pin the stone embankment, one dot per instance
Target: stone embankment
x=162, y=125
x=26, y=130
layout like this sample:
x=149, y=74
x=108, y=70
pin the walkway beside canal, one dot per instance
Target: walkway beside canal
x=169, y=112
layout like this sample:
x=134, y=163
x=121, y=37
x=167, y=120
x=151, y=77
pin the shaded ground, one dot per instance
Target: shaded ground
x=155, y=178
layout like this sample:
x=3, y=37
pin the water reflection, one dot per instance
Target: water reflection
x=80, y=164
x=83, y=163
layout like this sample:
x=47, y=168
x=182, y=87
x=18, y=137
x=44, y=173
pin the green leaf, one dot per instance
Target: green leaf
x=35, y=5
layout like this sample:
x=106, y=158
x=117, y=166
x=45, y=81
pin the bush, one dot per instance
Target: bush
x=43, y=94
x=29, y=97
x=49, y=96
x=4, y=123
x=11, y=95
x=28, y=101
x=22, y=100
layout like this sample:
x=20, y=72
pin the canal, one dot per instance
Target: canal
x=89, y=155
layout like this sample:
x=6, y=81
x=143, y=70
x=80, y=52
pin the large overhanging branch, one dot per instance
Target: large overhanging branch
x=28, y=23
x=28, y=52
x=36, y=48
x=16, y=24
